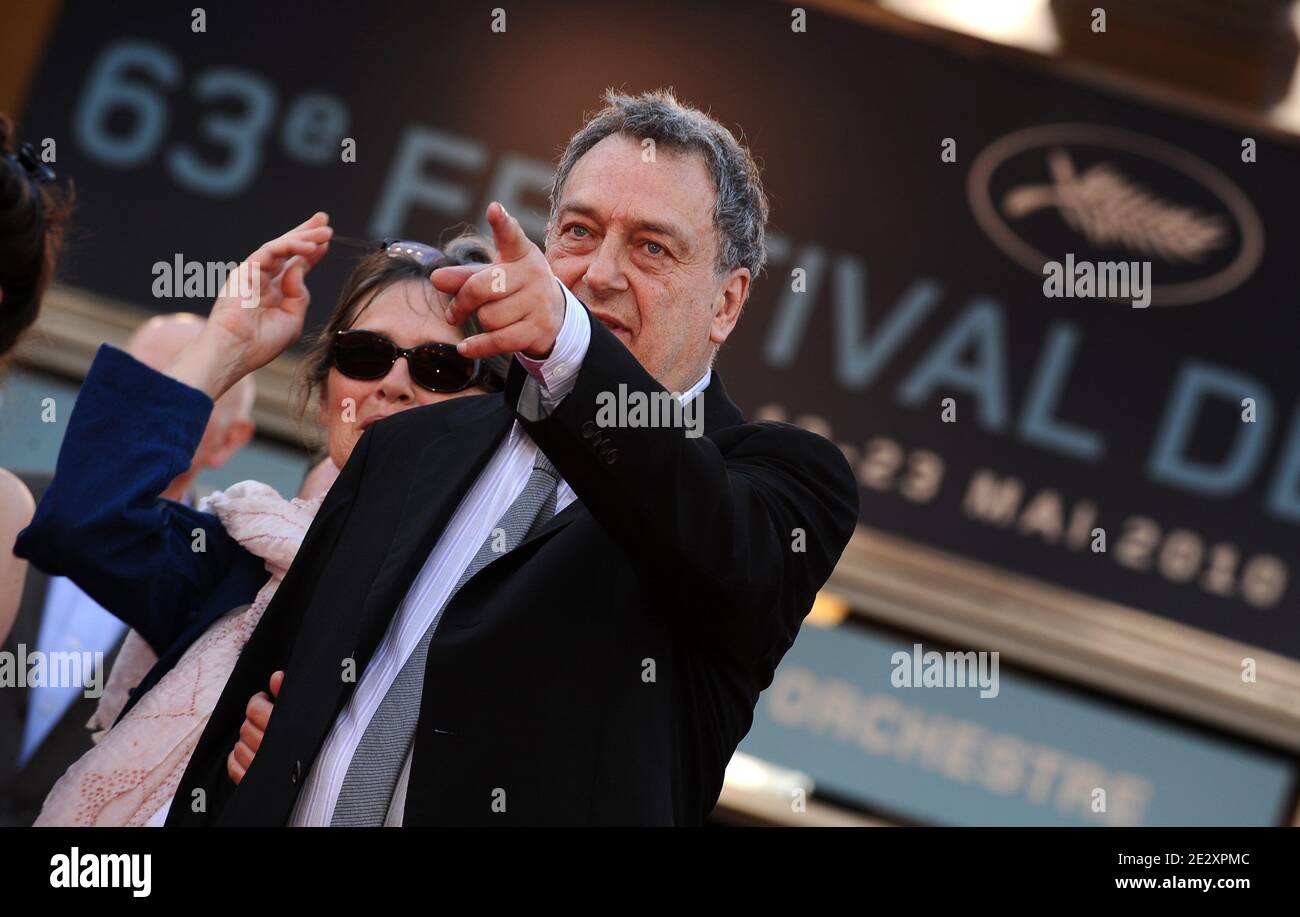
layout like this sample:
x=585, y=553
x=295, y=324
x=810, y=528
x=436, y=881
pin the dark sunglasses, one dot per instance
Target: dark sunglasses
x=362, y=354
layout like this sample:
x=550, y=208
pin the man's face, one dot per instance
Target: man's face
x=635, y=241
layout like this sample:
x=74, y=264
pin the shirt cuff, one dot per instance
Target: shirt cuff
x=558, y=373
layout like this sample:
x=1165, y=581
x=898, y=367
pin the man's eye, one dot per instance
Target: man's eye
x=576, y=229
x=654, y=248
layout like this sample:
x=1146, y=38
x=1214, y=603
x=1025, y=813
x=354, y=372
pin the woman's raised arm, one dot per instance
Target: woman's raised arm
x=102, y=521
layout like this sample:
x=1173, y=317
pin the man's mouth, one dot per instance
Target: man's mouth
x=617, y=327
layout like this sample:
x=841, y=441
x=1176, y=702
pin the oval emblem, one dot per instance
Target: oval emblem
x=1106, y=194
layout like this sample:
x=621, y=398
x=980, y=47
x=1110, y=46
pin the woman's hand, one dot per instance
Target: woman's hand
x=256, y=717
x=259, y=313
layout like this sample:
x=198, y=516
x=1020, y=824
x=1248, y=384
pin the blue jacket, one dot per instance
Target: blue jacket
x=103, y=524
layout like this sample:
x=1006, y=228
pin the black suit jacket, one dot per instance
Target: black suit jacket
x=23, y=789
x=602, y=672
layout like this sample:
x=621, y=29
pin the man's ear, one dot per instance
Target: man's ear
x=237, y=433
x=728, y=304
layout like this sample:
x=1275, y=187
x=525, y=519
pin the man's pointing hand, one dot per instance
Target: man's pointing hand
x=517, y=299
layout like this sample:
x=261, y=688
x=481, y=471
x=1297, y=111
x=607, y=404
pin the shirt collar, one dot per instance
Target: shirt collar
x=700, y=385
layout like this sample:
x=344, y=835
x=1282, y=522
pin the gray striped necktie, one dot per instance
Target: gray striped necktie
x=377, y=763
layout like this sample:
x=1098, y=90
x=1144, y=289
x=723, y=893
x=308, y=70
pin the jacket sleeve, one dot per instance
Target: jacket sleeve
x=736, y=530
x=102, y=523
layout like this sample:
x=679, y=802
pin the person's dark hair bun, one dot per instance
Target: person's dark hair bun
x=33, y=218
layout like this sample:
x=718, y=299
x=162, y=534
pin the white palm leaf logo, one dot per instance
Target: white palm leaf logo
x=1109, y=209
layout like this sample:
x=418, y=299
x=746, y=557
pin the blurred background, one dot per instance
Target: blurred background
x=924, y=159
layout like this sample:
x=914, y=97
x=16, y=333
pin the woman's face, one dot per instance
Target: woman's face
x=402, y=313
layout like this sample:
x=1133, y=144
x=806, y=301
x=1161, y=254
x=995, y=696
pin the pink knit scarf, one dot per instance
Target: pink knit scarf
x=136, y=765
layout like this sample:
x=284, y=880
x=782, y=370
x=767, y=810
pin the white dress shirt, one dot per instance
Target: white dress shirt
x=500, y=482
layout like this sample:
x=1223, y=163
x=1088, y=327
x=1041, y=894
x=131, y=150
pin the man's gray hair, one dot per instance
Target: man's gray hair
x=740, y=211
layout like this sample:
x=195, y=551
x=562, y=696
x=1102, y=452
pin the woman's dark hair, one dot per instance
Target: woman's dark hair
x=33, y=217
x=377, y=272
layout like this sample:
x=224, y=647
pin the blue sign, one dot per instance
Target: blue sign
x=1025, y=753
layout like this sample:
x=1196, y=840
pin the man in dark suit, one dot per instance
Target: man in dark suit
x=550, y=606
x=43, y=730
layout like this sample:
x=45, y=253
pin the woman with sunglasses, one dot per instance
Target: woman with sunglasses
x=193, y=583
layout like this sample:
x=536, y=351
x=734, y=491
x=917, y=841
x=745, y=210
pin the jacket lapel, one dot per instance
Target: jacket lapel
x=719, y=410
x=444, y=471
x=554, y=524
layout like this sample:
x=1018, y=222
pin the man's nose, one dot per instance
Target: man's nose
x=607, y=272
x=397, y=385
